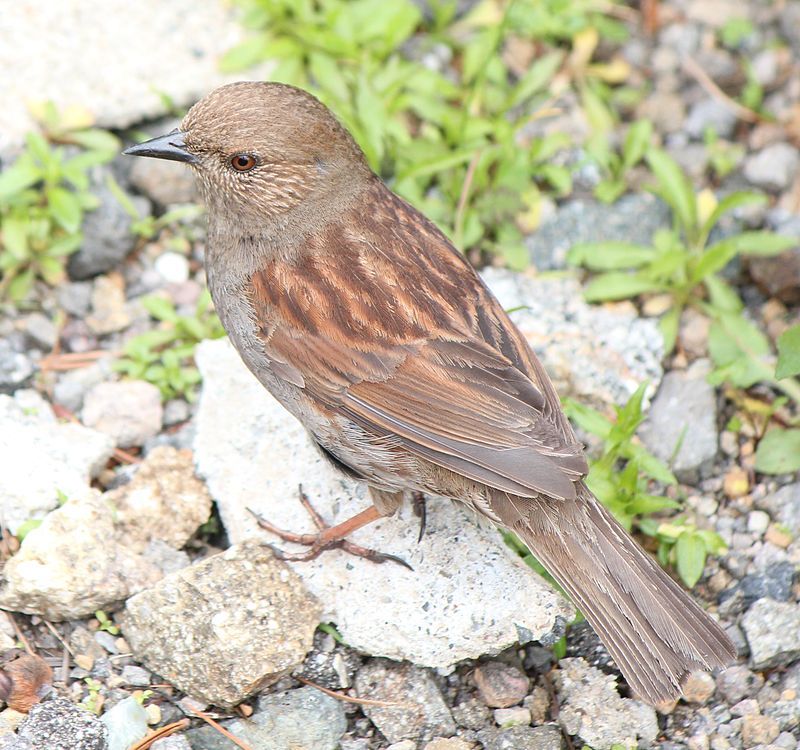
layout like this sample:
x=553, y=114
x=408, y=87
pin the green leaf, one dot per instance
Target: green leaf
x=731, y=202
x=26, y=527
x=14, y=234
x=763, y=243
x=614, y=286
x=674, y=188
x=65, y=208
x=669, y=327
x=21, y=285
x=713, y=259
x=587, y=418
x=536, y=79
x=610, y=255
x=637, y=141
x=721, y=296
x=738, y=349
x=160, y=308
x=690, y=551
x=778, y=452
x=788, y=353
x=245, y=54
x=19, y=176
x=98, y=140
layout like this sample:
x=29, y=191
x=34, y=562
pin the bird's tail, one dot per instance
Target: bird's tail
x=654, y=631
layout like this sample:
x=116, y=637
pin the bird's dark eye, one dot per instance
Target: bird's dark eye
x=243, y=162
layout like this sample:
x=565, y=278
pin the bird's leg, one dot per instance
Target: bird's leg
x=328, y=537
x=420, y=511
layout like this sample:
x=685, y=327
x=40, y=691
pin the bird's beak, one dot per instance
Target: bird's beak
x=171, y=146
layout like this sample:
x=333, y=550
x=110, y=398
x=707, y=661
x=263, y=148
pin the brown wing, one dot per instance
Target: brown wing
x=382, y=321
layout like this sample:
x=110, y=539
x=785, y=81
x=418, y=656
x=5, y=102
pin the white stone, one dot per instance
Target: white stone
x=468, y=594
x=42, y=457
x=172, y=267
x=757, y=521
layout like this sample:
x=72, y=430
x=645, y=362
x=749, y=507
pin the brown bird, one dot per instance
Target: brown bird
x=365, y=322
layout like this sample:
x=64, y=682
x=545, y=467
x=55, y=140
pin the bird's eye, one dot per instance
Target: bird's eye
x=243, y=162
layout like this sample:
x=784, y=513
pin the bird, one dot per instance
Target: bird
x=364, y=321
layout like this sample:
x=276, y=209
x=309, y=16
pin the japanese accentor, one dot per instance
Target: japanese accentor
x=363, y=320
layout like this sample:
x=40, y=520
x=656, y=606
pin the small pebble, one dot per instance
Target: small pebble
x=403, y=745
x=501, y=685
x=136, y=676
x=449, y=743
x=757, y=522
x=745, y=707
x=699, y=687
x=759, y=730
x=153, y=711
x=172, y=267
x=778, y=536
x=512, y=717
x=736, y=482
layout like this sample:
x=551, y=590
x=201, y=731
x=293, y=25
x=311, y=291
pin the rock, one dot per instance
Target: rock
x=42, y=458
x=694, y=333
x=16, y=369
x=714, y=13
x=759, y=730
x=774, y=167
x=71, y=387
x=246, y=440
x=164, y=500
x=784, y=507
x=771, y=629
x=41, y=331
x=778, y=276
x=72, y=564
x=698, y=687
x=471, y=713
x=107, y=236
x=757, y=522
x=173, y=742
x=592, y=710
x=449, y=743
x=633, y=218
x=126, y=723
x=224, y=628
x=58, y=724
x=709, y=113
x=501, y=685
x=176, y=411
x=128, y=411
x=665, y=108
x=774, y=583
x=172, y=267
x=684, y=413
x=596, y=354
x=511, y=717
x=302, y=719
x=109, y=310
x=136, y=676
x=75, y=297
x=420, y=713
x=522, y=738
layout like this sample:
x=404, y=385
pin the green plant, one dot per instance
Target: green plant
x=723, y=157
x=43, y=197
x=681, y=261
x=620, y=478
x=105, y=622
x=616, y=165
x=454, y=145
x=163, y=356
x=93, y=701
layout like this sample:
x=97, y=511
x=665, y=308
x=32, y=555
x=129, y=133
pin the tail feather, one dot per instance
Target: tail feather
x=655, y=632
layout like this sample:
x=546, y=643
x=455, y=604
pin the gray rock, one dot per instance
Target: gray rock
x=246, y=440
x=522, y=738
x=790, y=24
x=95, y=551
x=709, y=113
x=592, y=709
x=126, y=723
x=176, y=410
x=224, y=628
x=41, y=331
x=173, y=742
x=633, y=218
x=13, y=742
x=71, y=387
x=107, y=236
x=683, y=417
x=128, y=411
x=75, y=297
x=420, y=713
x=784, y=507
x=302, y=719
x=58, y=724
x=16, y=369
x=774, y=167
x=136, y=676
x=771, y=628
x=596, y=354
x=42, y=458
x=738, y=682
x=501, y=685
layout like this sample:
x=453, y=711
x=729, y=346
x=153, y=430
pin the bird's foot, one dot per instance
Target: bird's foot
x=420, y=511
x=328, y=537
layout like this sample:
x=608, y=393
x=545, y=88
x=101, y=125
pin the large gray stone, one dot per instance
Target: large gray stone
x=592, y=709
x=58, y=724
x=772, y=632
x=681, y=427
x=468, y=594
x=42, y=457
x=224, y=628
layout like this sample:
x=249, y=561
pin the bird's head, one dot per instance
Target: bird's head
x=261, y=150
